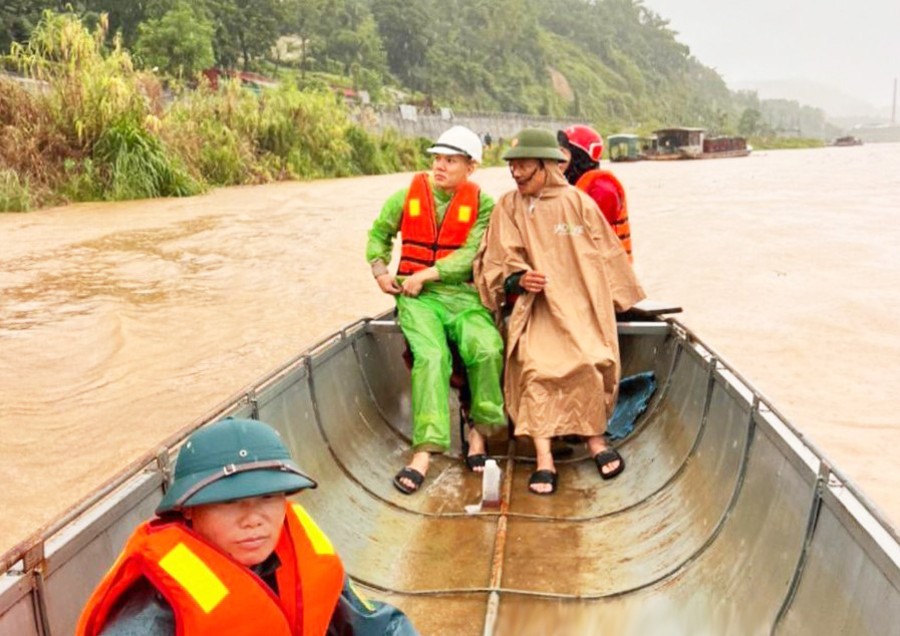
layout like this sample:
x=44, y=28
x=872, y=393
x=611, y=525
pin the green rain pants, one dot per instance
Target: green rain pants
x=427, y=321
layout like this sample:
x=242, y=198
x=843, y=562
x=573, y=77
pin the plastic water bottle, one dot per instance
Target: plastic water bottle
x=490, y=484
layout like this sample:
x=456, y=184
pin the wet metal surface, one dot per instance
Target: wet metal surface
x=722, y=523
x=703, y=533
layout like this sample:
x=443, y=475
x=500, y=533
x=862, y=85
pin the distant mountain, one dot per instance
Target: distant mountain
x=833, y=101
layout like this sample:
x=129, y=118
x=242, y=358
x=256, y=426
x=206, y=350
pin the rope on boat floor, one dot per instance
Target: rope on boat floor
x=490, y=618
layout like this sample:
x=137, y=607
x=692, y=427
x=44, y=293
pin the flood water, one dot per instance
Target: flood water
x=122, y=323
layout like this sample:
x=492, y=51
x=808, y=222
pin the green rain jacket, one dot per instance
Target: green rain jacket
x=455, y=269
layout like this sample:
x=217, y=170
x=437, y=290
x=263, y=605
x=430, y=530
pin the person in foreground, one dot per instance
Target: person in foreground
x=442, y=218
x=582, y=147
x=548, y=244
x=229, y=554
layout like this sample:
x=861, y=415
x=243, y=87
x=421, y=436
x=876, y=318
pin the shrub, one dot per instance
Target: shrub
x=212, y=131
x=135, y=165
x=14, y=195
x=307, y=131
x=368, y=156
x=80, y=181
x=89, y=88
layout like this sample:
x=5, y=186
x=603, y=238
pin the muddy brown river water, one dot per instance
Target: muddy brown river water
x=122, y=323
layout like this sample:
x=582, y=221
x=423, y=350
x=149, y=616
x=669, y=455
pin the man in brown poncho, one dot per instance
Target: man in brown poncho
x=548, y=243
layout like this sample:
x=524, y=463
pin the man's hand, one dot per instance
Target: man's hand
x=388, y=284
x=533, y=282
x=412, y=286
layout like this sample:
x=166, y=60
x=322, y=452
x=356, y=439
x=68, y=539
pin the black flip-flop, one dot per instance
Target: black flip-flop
x=608, y=456
x=411, y=474
x=476, y=461
x=543, y=477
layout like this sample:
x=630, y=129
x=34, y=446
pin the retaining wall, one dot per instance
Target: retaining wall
x=412, y=122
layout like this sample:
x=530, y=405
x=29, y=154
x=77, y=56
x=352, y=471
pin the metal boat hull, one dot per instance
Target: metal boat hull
x=725, y=522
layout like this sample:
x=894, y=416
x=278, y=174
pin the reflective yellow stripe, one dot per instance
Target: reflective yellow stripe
x=414, y=208
x=359, y=596
x=320, y=542
x=465, y=212
x=194, y=576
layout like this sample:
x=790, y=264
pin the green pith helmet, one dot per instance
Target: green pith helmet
x=232, y=459
x=534, y=143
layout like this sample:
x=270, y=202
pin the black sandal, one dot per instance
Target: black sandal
x=476, y=461
x=606, y=457
x=411, y=474
x=543, y=477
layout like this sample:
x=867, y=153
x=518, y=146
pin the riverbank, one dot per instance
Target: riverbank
x=120, y=323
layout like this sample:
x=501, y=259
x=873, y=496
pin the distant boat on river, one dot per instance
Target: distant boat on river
x=849, y=140
x=629, y=147
x=692, y=143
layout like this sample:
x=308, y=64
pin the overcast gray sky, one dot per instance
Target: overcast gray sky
x=850, y=45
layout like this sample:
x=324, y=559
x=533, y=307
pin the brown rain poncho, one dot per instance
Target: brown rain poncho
x=562, y=352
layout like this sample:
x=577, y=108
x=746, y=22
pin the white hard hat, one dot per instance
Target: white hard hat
x=458, y=140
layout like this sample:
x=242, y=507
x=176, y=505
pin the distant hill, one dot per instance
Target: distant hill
x=833, y=101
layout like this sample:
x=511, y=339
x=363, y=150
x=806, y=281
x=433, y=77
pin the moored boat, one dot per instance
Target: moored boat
x=676, y=143
x=723, y=147
x=628, y=147
x=847, y=140
x=692, y=143
x=726, y=520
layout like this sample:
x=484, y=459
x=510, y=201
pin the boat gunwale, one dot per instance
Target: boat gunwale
x=43, y=552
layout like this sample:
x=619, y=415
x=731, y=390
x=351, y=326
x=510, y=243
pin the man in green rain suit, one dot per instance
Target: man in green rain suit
x=441, y=218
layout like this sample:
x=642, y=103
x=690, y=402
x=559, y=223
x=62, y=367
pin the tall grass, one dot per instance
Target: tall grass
x=90, y=87
x=100, y=130
x=137, y=165
x=14, y=195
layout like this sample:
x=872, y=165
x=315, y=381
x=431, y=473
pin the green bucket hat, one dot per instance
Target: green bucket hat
x=232, y=459
x=534, y=143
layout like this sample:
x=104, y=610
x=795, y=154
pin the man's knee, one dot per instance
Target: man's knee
x=431, y=356
x=484, y=350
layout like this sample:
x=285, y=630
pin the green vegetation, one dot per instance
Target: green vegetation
x=14, y=196
x=122, y=110
x=785, y=143
x=98, y=129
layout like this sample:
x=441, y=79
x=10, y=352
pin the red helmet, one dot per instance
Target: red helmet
x=587, y=139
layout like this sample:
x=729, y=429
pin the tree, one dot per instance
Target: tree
x=407, y=31
x=179, y=43
x=17, y=19
x=244, y=31
x=354, y=40
x=302, y=20
x=750, y=122
x=124, y=17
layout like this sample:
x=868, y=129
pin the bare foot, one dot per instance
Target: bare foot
x=544, y=462
x=596, y=445
x=420, y=462
x=476, y=447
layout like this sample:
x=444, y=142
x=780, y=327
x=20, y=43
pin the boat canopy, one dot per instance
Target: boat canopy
x=687, y=142
x=628, y=147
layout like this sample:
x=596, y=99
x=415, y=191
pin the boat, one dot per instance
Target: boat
x=628, y=147
x=723, y=147
x=677, y=143
x=727, y=519
x=848, y=140
x=692, y=143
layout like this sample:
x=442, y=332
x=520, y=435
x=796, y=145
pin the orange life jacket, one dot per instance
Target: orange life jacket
x=423, y=241
x=211, y=593
x=621, y=226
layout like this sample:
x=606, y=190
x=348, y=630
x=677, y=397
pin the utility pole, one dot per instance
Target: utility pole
x=894, y=107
